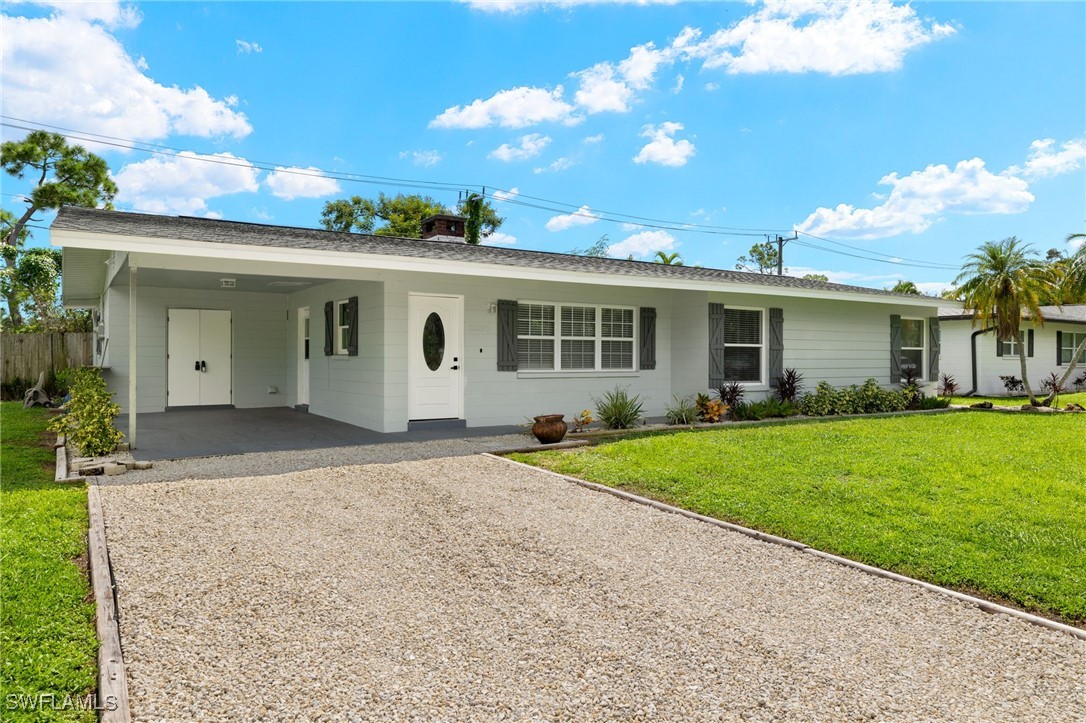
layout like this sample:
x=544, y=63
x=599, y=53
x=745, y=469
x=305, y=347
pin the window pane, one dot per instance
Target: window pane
x=616, y=354
x=743, y=364
x=344, y=335
x=616, y=323
x=343, y=320
x=535, y=320
x=912, y=332
x=1067, y=348
x=578, y=321
x=535, y=353
x=578, y=354
x=912, y=359
x=742, y=326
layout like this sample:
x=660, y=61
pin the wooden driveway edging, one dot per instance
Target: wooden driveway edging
x=985, y=605
x=112, y=683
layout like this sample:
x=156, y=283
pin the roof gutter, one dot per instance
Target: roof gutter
x=973, y=357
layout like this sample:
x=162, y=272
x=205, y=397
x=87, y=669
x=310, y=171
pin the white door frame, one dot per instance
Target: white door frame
x=303, y=362
x=454, y=350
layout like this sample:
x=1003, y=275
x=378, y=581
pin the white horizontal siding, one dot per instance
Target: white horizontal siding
x=990, y=367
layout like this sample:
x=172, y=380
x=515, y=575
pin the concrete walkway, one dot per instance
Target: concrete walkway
x=472, y=589
x=210, y=432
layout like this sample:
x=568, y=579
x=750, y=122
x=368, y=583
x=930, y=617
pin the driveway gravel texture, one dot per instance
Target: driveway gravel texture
x=472, y=589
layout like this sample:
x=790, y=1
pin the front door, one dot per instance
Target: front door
x=434, y=357
x=303, y=355
x=198, y=357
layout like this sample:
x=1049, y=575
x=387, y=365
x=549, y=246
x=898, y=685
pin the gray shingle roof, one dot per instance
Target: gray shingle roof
x=187, y=228
x=1071, y=313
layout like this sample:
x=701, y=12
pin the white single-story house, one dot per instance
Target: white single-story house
x=976, y=360
x=384, y=333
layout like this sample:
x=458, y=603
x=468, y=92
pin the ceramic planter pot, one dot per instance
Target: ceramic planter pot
x=549, y=428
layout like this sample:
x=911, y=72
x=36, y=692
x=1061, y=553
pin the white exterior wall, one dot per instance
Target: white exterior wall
x=258, y=338
x=990, y=367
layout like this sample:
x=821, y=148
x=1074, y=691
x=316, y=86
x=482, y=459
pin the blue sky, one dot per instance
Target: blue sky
x=883, y=130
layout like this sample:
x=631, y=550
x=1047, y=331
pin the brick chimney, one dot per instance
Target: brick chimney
x=440, y=227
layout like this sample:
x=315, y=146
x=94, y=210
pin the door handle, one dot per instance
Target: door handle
x=197, y=365
x=454, y=367
x=203, y=366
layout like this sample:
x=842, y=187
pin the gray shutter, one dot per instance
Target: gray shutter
x=507, y=335
x=934, y=348
x=648, y=337
x=999, y=345
x=716, y=346
x=1029, y=343
x=329, y=332
x=895, y=348
x=1059, y=348
x=352, y=326
x=776, y=346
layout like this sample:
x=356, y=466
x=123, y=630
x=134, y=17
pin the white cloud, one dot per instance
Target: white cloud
x=246, y=47
x=933, y=288
x=643, y=244
x=294, y=182
x=639, y=68
x=69, y=70
x=513, y=108
x=426, y=159
x=712, y=87
x=581, y=217
x=506, y=195
x=1076, y=243
x=110, y=13
x=524, y=6
x=1043, y=163
x=823, y=37
x=184, y=183
x=530, y=146
x=679, y=81
x=589, y=140
x=662, y=147
x=500, y=239
x=626, y=226
x=558, y=164
x=919, y=199
x=601, y=91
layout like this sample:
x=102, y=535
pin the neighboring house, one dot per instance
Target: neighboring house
x=382, y=332
x=976, y=360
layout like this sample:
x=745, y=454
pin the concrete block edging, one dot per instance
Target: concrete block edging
x=985, y=605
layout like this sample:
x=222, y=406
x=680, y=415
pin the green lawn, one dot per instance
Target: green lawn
x=1065, y=399
x=47, y=637
x=989, y=504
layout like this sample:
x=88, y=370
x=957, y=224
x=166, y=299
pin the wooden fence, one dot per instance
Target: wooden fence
x=25, y=356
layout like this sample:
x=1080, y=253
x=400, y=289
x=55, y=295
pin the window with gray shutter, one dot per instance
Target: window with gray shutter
x=507, y=335
x=934, y=348
x=352, y=326
x=716, y=345
x=329, y=328
x=895, y=348
x=776, y=345
x=648, y=337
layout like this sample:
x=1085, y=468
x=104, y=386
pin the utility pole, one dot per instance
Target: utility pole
x=781, y=241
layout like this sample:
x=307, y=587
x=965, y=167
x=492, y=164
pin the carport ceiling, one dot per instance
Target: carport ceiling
x=208, y=281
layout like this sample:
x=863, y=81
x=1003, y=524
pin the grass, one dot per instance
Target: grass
x=1064, y=399
x=988, y=504
x=47, y=637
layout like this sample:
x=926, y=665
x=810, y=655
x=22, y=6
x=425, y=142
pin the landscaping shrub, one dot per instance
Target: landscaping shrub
x=934, y=403
x=710, y=410
x=90, y=414
x=731, y=394
x=948, y=387
x=682, y=411
x=765, y=409
x=1080, y=381
x=867, y=399
x=789, y=385
x=581, y=420
x=617, y=409
x=1012, y=383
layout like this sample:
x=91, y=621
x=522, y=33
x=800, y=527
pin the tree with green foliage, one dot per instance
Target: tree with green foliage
x=597, y=250
x=402, y=215
x=672, y=259
x=1073, y=285
x=761, y=259
x=63, y=175
x=998, y=283
x=905, y=287
x=817, y=277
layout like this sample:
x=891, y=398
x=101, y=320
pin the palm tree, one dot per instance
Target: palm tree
x=905, y=287
x=1073, y=285
x=666, y=259
x=1000, y=281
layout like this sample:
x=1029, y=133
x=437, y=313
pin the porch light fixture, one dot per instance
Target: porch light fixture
x=492, y=307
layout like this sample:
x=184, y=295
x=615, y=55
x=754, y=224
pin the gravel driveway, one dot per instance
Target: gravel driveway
x=469, y=589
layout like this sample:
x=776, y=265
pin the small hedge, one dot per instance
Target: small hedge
x=90, y=413
x=867, y=399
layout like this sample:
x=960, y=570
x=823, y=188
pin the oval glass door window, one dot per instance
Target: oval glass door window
x=433, y=341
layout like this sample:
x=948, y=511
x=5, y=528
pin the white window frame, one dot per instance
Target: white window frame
x=923, y=348
x=598, y=338
x=341, y=345
x=1075, y=341
x=763, y=361
x=1010, y=346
